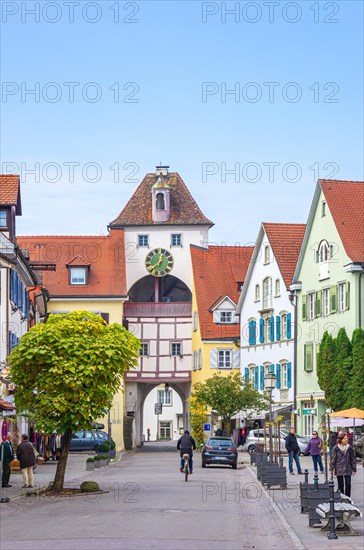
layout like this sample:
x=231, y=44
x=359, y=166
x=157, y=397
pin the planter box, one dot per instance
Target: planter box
x=97, y=464
x=314, y=499
x=90, y=466
x=112, y=453
x=104, y=462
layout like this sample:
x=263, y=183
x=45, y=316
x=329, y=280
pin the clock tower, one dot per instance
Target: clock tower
x=160, y=222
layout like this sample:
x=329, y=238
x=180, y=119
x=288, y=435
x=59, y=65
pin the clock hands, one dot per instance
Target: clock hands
x=151, y=267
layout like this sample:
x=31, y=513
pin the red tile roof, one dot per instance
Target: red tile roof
x=286, y=241
x=78, y=261
x=216, y=273
x=104, y=254
x=184, y=209
x=10, y=191
x=345, y=200
x=5, y=406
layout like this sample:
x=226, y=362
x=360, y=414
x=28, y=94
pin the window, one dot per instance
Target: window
x=323, y=209
x=308, y=365
x=224, y=359
x=144, y=350
x=143, y=240
x=165, y=397
x=277, y=288
x=311, y=306
x=266, y=254
x=252, y=375
x=342, y=297
x=195, y=321
x=326, y=301
x=284, y=376
x=323, y=259
x=160, y=204
x=226, y=316
x=257, y=293
x=3, y=219
x=78, y=276
x=176, y=349
x=284, y=326
x=176, y=239
x=267, y=293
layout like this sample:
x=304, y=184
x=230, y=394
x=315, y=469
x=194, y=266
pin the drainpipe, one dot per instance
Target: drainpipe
x=360, y=304
x=293, y=300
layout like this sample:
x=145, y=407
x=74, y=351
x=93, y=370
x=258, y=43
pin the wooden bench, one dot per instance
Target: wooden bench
x=343, y=514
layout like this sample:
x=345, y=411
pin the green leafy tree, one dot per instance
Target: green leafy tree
x=197, y=419
x=356, y=395
x=66, y=372
x=342, y=371
x=227, y=395
x=326, y=366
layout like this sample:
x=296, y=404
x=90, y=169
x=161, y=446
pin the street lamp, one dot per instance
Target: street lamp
x=270, y=381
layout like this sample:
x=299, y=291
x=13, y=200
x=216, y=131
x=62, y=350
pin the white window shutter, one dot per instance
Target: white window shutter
x=213, y=359
x=236, y=358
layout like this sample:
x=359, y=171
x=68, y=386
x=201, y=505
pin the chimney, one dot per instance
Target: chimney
x=161, y=170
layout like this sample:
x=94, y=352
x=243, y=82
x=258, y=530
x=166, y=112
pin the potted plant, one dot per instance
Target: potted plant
x=104, y=460
x=90, y=464
x=97, y=461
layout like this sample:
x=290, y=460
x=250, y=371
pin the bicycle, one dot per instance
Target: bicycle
x=186, y=463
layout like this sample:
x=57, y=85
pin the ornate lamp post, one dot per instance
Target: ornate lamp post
x=270, y=381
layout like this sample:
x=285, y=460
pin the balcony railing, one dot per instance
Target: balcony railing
x=160, y=309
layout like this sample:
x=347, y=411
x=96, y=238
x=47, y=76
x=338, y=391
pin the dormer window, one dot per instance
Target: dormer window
x=3, y=218
x=78, y=275
x=226, y=316
x=160, y=202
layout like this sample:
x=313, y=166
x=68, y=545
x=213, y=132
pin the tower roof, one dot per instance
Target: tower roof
x=10, y=191
x=184, y=209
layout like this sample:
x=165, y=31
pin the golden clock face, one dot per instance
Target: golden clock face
x=159, y=262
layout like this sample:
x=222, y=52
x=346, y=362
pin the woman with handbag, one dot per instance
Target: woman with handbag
x=315, y=448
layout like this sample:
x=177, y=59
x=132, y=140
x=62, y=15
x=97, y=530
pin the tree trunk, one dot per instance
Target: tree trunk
x=62, y=463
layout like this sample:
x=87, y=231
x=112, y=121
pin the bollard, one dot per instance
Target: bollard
x=332, y=533
x=306, y=476
x=315, y=482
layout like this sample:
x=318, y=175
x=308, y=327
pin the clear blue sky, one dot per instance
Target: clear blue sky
x=168, y=53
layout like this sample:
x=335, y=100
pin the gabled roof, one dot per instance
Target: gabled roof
x=345, y=200
x=78, y=261
x=104, y=254
x=221, y=299
x=184, y=209
x=10, y=191
x=286, y=241
x=216, y=273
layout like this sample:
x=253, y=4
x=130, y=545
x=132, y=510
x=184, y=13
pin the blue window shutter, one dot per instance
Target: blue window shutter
x=278, y=385
x=271, y=329
x=261, y=331
x=246, y=374
x=251, y=339
x=278, y=327
x=289, y=329
x=262, y=377
x=12, y=285
x=256, y=376
x=289, y=375
x=26, y=305
x=10, y=341
x=271, y=368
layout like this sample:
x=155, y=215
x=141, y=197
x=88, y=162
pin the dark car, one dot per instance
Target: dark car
x=87, y=440
x=220, y=450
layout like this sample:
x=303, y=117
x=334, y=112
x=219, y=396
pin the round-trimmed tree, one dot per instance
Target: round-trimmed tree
x=66, y=372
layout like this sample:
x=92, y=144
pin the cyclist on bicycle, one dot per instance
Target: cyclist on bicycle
x=185, y=445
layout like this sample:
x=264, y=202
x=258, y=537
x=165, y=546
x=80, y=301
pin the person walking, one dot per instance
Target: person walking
x=8, y=457
x=26, y=456
x=343, y=464
x=315, y=448
x=293, y=450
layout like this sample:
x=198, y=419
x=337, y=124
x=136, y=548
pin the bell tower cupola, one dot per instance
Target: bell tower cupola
x=161, y=204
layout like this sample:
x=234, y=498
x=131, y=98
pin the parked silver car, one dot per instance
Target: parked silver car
x=257, y=436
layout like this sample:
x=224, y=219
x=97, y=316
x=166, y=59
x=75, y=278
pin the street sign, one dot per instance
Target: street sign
x=158, y=408
x=207, y=428
x=309, y=411
x=4, y=430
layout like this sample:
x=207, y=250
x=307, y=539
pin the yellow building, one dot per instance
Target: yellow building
x=85, y=273
x=218, y=275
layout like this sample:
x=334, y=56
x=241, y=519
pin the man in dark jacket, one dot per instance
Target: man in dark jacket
x=8, y=457
x=293, y=452
x=185, y=445
x=25, y=453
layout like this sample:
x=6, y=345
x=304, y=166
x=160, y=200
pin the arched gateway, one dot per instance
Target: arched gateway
x=160, y=222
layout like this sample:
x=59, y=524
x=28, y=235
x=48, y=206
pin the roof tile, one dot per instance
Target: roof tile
x=10, y=191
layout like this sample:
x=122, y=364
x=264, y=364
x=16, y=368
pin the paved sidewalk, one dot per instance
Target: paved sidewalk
x=44, y=474
x=287, y=505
